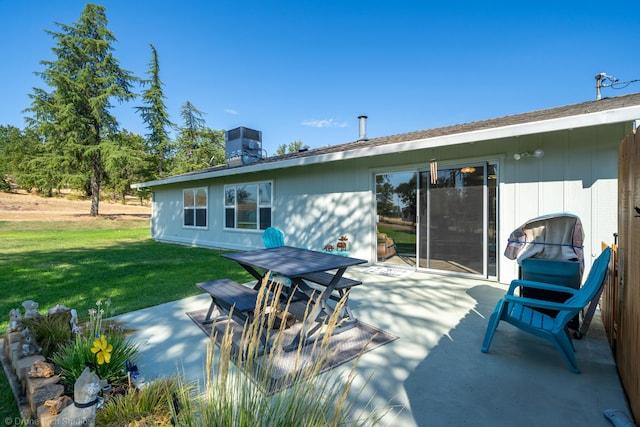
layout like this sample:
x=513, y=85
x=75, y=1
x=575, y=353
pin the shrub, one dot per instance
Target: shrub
x=50, y=332
x=81, y=351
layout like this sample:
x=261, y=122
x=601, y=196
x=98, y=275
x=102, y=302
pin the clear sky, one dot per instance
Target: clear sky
x=305, y=70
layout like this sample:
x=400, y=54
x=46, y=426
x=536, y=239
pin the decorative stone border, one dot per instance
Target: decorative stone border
x=30, y=393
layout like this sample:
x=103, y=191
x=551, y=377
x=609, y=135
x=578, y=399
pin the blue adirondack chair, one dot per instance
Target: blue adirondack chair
x=521, y=312
x=273, y=237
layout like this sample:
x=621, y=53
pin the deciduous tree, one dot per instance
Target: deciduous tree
x=291, y=148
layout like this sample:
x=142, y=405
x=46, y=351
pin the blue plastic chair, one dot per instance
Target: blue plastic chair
x=273, y=237
x=521, y=312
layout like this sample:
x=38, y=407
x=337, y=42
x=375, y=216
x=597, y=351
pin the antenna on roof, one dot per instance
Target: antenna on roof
x=600, y=78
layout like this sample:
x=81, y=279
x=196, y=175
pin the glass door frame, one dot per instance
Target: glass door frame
x=399, y=256
x=487, y=164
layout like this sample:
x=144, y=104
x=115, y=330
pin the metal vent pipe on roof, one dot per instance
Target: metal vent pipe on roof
x=599, y=84
x=363, y=128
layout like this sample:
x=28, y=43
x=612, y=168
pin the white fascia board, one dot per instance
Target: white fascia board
x=570, y=122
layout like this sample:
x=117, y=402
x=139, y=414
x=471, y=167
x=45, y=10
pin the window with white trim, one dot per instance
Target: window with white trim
x=194, y=204
x=248, y=206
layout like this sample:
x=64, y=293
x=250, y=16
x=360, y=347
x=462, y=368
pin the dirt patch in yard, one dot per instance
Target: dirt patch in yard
x=22, y=206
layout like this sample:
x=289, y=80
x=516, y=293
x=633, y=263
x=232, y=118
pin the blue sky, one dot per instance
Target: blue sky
x=305, y=70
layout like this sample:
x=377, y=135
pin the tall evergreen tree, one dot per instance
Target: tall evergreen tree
x=74, y=118
x=155, y=116
x=126, y=163
x=197, y=146
x=192, y=121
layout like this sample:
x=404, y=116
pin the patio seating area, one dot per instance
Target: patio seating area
x=434, y=374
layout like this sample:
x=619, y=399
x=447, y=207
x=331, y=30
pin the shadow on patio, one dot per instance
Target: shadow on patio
x=435, y=373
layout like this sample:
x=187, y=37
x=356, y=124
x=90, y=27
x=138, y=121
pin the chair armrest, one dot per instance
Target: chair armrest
x=537, y=303
x=540, y=285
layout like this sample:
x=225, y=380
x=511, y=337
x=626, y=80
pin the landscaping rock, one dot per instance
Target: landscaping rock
x=33, y=384
x=44, y=416
x=41, y=395
x=57, y=405
x=41, y=369
x=10, y=338
x=13, y=353
x=22, y=366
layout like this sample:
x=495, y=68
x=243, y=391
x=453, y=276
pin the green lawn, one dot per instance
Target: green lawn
x=77, y=263
x=405, y=241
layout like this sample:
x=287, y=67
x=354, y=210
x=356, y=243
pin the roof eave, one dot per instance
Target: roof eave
x=570, y=122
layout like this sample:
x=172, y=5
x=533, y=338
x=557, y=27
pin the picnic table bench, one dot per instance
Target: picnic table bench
x=324, y=279
x=231, y=297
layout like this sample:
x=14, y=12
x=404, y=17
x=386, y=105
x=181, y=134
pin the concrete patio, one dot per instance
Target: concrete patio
x=435, y=373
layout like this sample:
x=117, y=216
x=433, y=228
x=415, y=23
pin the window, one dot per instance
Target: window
x=247, y=206
x=194, y=203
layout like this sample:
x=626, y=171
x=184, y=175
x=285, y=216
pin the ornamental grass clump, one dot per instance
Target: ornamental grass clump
x=101, y=344
x=149, y=406
x=51, y=332
x=232, y=398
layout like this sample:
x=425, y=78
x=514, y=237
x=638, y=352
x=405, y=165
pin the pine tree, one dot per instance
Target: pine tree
x=197, y=146
x=155, y=116
x=74, y=118
x=193, y=121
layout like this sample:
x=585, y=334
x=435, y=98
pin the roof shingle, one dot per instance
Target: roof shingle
x=578, y=109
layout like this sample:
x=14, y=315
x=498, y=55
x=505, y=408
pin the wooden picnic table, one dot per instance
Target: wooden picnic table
x=310, y=272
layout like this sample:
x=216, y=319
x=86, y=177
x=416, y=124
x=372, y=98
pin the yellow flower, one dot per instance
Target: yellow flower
x=102, y=349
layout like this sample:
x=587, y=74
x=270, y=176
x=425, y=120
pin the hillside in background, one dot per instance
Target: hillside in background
x=22, y=206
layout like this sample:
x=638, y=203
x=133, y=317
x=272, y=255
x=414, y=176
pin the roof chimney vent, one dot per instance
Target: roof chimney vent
x=363, y=128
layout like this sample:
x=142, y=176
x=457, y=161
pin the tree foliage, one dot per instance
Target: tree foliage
x=15, y=151
x=126, y=163
x=197, y=146
x=72, y=140
x=74, y=118
x=154, y=114
x=291, y=148
x=384, y=196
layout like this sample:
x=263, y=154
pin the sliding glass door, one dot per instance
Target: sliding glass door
x=445, y=221
x=396, y=201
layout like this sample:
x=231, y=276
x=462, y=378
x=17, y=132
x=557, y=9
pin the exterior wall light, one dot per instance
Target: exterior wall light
x=538, y=153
